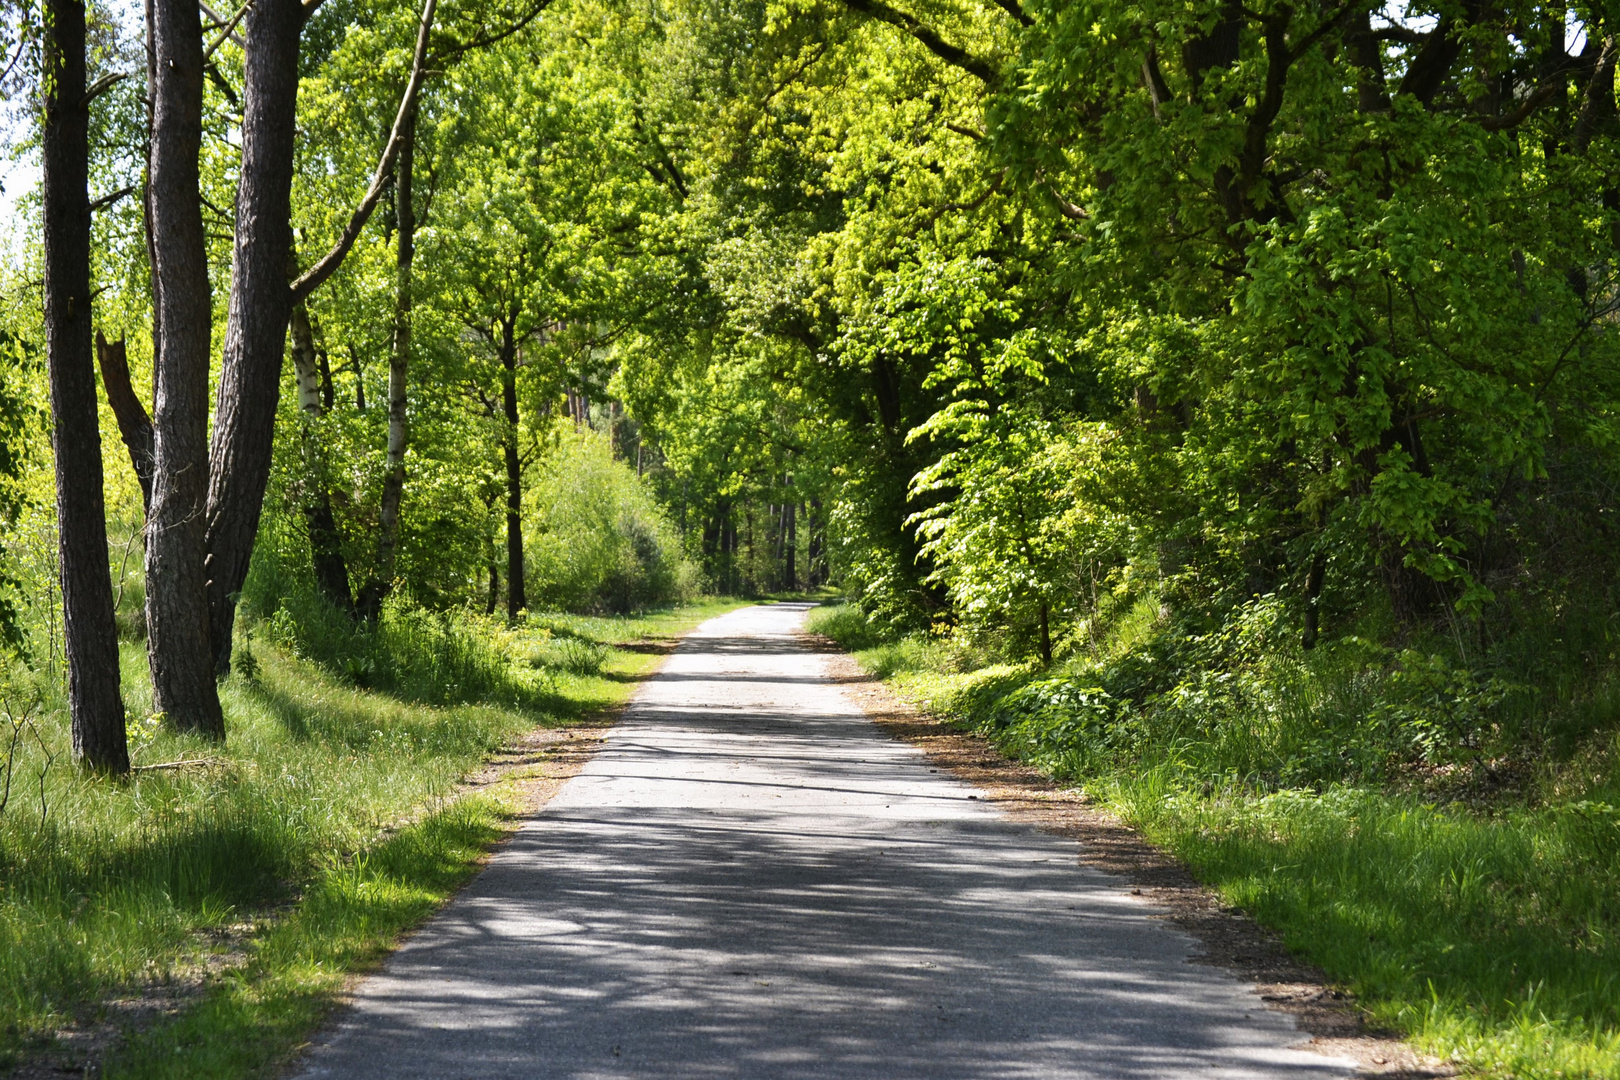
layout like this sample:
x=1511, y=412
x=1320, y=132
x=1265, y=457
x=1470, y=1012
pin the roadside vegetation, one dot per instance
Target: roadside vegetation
x=1216, y=403
x=245, y=885
x=1468, y=892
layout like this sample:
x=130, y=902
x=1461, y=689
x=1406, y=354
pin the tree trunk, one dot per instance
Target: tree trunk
x=1313, y=599
x=134, y=426
x=325, y=545
x=90, y=634
x=791, y=570
x=515, y=600
x=398, y=371
x=1046, y=635
x=179, y=650
x=816, y=571
x=261, y=302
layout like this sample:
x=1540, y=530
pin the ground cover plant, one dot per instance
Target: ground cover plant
x=296, y=853
x=1476, y=912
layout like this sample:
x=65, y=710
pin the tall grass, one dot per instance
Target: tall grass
x=111, y=885
x=1347, y=800
x=329, y=821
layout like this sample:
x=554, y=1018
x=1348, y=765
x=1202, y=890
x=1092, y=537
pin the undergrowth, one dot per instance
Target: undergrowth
x=331, y=820
x=1445, y=842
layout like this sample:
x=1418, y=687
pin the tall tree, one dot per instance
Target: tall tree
x=91, y=637
x=399, y=362
x=179, y=652
x=261, y=303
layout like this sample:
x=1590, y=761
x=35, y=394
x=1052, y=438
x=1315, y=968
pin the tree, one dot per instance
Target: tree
x=94, y=701
x=179, y=648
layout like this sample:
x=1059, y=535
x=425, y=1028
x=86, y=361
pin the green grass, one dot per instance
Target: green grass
x=329, y=823
x=1488, y=931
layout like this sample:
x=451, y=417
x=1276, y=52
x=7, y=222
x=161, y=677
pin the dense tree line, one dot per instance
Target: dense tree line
x=1037, y=323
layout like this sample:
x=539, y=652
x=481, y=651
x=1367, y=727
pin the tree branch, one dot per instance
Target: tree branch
x=1013, y=8
x=110, y=198
x=1539, y=97
x=533, y=13
x=219, y=20
x=229, y=31
x=103, y=84
x=327, y=266
x=952, y=54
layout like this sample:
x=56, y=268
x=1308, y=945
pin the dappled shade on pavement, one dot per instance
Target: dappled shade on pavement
x=750, y=880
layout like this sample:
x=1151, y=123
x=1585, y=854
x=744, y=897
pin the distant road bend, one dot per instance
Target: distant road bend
x=751, y=880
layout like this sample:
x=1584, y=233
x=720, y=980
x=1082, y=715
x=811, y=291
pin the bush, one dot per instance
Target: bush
x=597, y=539
x=436, y=658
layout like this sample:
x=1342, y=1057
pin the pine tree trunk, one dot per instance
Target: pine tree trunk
x=515, y=599
x=90, y=634
x=261, y=302
x=398, y=372
x=178, y=646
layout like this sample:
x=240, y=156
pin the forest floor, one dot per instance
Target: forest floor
x=752, y=878
x=218, y=961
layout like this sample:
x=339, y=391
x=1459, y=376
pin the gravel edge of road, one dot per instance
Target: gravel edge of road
x=1228, y=938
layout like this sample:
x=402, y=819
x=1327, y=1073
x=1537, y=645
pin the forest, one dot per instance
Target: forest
x=1214, y=403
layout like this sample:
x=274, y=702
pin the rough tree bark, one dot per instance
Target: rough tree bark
x=515, y=600
x=325, y=545
x=399, y=361
x=260, y=305
x=183, y=686
x=90, y=635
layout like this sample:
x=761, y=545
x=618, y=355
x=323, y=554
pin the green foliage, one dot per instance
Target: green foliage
x=432, y=657
x=332, y=821
x=599, y=540
x=1483, y=925
x=19, y=433
x=106, y=887
x=1489, y=937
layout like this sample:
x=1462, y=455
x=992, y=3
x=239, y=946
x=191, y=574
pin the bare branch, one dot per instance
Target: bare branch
x=219, y=20
x=1013, y=8
x=1539, y=97
x=103, y=84
x=229, y=31
x=110, y=198
x=523, y=20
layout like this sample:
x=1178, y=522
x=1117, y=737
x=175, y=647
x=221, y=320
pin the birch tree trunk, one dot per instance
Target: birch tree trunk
x=398, y=374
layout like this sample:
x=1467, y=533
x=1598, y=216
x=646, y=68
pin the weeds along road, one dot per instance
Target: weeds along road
x=751, y=880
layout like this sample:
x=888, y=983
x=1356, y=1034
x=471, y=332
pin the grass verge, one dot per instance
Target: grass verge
x=198, y=920
x=1487, y=932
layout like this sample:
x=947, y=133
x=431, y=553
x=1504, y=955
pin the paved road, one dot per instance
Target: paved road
x=750, y=880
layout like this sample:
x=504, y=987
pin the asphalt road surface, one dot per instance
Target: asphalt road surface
x=751, y=880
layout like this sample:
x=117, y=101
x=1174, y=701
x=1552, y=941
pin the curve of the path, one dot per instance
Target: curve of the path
x=751, y=880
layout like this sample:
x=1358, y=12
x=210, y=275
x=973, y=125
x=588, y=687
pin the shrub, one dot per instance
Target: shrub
x=597, y=539
x=432, y=657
